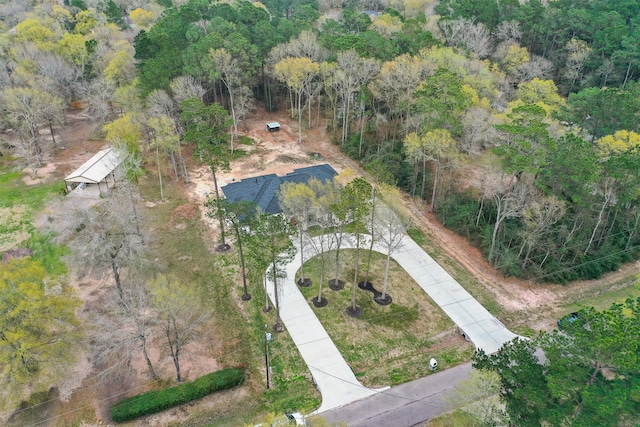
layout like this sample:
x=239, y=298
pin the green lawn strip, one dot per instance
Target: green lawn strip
x=158, y=400
x=390, y=344
x=49, y=253
x=602, y=299
x=14, y=192
x=292, y=387
x=18, y=203
x=455, y=418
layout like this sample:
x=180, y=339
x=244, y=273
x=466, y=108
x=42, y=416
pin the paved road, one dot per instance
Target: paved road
x=333, y=376
x=406, y=405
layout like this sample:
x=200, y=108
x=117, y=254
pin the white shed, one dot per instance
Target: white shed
x=101, y=170
x=273, y=126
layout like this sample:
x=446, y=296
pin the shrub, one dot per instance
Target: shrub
x=158, y=400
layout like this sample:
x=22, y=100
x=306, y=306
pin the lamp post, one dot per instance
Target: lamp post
x=267, y=338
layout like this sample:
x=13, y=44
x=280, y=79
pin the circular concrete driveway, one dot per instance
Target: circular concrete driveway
x=331, y=373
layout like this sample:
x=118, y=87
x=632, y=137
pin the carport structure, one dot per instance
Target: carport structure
x=101, y=171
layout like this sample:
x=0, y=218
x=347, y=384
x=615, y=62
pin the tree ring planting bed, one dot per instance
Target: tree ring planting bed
x=336, y=284
x=223, y=248
x=383, y=301
x=322, y=303
x=304, y=283
x=356, y=313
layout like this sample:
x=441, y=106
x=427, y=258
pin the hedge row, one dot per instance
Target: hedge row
x=155, y=401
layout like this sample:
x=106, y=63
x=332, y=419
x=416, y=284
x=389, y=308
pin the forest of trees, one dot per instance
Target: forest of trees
x=515, y=122
x=503, y=95
x=584, y=374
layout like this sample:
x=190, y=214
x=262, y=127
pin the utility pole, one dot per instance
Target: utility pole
x=267, y=338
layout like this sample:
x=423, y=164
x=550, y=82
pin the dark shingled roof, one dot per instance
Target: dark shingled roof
x=262, y=190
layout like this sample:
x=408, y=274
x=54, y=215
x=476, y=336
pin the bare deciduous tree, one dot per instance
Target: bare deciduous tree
x=508, y=31
x=181, y=312
x=473, y=36
x=352, y=74
x=98, y=95
x=478, y=131
x=185, y=87
x=536, y=68
x=122, y=331
x=61, y=76
x=104, y=238
x=390, y=230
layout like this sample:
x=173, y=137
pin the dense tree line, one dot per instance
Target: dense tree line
x=589, y=43
x=478, y=91
x=584, y=374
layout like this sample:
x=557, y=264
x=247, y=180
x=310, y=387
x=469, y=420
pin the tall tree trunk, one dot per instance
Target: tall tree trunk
x=174, y=166
x=300, y=117
x=480, y=211
x=593, y=234
x=626, y=79
x=361, y=129
x=355, y=275
x=339, y=242
x=183, y=164
x=174, y=347
x=234, y=133
x=53, y=137
x=278, y=326
x=386, y=276
x=496, y=226
x=322, y=257
x=300, y=231
x=152, y=372
x=435, y=186
x=116, y=276
x=373, y=217
x=135, y=212
x=267, y=307
x=246, y=296
x=223, y=241
x=159, y=172
x=632, y=231
x=424, y=178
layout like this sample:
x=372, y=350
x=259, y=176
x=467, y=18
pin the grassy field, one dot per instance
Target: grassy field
x=391, y=344
x=603, y=299
x=18, y=204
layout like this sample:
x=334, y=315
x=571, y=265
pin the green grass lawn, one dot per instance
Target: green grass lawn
x=603, y=299
x=18, y=203
x=391, y=344
x=14, y=192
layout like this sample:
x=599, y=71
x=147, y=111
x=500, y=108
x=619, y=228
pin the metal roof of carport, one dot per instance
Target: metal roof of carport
x=96, y=168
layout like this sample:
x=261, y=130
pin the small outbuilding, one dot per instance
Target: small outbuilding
x=273, y=126
x=99, y=173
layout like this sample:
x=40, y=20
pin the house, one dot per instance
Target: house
x=97, y=174
x=263, y=190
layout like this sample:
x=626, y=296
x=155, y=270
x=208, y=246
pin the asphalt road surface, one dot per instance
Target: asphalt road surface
x=407, y=405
